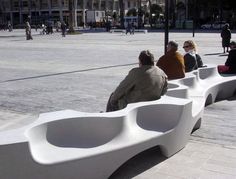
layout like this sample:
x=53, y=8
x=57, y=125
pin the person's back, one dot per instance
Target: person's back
x=199, y=61
x=145, y=83
x=190, y=62
x=231, y=61
x=172, y=63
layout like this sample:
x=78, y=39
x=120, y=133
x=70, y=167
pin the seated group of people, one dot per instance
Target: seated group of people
x=175, y=65
x=230, y=64
x=149, y=81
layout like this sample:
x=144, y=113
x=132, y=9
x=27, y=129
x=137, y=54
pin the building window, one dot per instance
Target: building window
x=54, y=3
x=15, y=5
x=25, y=4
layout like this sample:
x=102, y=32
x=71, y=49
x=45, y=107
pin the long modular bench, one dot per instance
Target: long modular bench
x=71, y=144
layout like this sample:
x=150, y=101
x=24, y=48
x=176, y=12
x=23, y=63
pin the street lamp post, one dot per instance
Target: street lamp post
x=194, y=17
x=166, y=25
x=71, y=20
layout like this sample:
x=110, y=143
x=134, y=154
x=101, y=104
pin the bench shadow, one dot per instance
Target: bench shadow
x=208, y=54
x=227, y=75
x=139, y=163
x=233, y=98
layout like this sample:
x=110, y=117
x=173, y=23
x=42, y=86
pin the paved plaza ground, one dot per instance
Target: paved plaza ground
x=79, y=72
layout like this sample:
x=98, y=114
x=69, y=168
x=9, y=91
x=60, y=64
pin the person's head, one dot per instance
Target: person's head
x=146, y=58
x=232, y=44
x=189, y=45
x=226, y=26
x=172, y=45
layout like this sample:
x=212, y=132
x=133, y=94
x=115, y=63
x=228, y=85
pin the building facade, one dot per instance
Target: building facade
x=18, y=11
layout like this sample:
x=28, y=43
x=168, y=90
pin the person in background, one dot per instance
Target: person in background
x=192, y=60
x=128, y=28
x=144, y=83
x=172, y=63
x=230, y=64
x=63, y=29
x=226, y=36
x=28, y=31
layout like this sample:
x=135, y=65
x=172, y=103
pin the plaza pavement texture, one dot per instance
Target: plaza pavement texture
x=79, y=72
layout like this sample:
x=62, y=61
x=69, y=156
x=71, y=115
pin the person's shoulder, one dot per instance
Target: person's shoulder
x=188, y=55
x=159, y=71
x=232, y=51
x=134, y=70
x=198, y=56
x=163, y=56
x=178, y=54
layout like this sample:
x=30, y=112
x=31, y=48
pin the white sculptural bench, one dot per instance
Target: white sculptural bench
x=71, y=144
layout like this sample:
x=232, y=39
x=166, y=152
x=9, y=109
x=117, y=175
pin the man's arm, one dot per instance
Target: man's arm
x=123, y=87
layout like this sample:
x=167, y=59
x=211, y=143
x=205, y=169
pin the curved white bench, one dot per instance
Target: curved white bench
x=69, y=144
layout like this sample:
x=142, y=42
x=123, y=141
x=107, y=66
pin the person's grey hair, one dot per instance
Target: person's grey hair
x=146, y=58
x=173, y=44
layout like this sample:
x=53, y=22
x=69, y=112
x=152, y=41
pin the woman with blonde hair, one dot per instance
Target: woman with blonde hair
x=192, y=60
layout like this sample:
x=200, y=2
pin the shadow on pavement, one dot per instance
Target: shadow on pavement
x=139, y=164
x=69, y=72
x=208, y=54
x=233, y=98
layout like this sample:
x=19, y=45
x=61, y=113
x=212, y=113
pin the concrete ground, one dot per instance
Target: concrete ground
x=79, y=72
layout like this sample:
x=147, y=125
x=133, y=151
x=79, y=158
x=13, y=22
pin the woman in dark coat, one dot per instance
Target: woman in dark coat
x=230, y=64
x=192, y=60
x=226, y=36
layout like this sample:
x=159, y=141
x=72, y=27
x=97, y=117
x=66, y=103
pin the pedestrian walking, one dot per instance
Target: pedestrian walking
x=226, y=36
x=28, y=31
x=128, y=28
x=43, y=29
x=9, y=26
x=132, y=28
x=63, y=29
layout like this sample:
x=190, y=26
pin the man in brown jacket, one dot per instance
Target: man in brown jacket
x=144, y=83
x=172, y=63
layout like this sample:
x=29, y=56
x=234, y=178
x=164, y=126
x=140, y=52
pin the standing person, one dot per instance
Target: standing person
x=9, y=26
x=172, y=63
x=63, y=29
x=128, y=28
x=144, y=83
x=132, y=28
x=43, y=29
x=226, y=36
x=230, y=64
x=28, y=31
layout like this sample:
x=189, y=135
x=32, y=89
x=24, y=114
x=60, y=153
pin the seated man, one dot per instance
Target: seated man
x=172, y=63
x=144, y=83
x=230, y=64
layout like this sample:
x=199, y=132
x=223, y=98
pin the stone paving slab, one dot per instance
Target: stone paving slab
x=80, y=71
